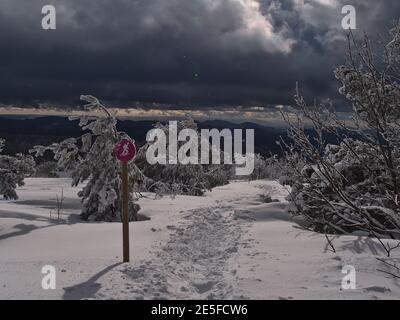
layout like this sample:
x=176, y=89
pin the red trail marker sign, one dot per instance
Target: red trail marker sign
x=125, y=151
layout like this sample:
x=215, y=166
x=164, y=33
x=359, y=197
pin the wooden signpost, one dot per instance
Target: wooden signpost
x=125, y=151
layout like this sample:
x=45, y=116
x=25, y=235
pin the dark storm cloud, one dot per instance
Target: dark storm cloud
x=179, y=52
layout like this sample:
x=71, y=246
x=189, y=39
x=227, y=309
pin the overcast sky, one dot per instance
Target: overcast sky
x=183, y=53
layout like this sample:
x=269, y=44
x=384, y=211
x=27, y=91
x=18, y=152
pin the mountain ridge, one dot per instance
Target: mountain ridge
x=24, y=133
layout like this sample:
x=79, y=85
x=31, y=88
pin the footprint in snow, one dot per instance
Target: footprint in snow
x=378, y=289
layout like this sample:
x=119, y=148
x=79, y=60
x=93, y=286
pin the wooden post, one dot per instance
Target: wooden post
x=125, y=211
x=125, y=151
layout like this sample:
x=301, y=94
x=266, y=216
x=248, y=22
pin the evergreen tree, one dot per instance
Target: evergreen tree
x=91, y=160
x=189, y=179
x=13, y=171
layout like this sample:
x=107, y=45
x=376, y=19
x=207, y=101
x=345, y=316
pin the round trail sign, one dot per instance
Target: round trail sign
x=125, y=150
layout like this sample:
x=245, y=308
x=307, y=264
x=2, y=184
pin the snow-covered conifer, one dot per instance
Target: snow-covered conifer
x=13, y=171
x=92, y=162
x=190, y=179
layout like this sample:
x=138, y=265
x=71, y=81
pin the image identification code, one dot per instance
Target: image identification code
x=201, y=309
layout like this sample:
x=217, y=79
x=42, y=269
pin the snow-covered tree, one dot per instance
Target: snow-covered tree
x=13, y=171
x=189, y=179
x=353, y=185
x=91, y=160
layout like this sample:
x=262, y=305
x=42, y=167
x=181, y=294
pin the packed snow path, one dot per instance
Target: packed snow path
x=229, y=244
x=194, y=263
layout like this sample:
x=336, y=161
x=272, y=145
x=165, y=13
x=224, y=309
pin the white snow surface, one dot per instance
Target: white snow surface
x=229, y=244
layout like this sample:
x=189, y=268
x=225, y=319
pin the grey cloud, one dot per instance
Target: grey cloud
x=182, y=52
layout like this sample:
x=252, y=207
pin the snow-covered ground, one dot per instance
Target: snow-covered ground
x=230, y=244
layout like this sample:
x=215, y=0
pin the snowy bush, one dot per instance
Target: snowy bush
x=266, y=168
x=13, y=171
x=47, y=169
x=354, y=185
x=91, y=160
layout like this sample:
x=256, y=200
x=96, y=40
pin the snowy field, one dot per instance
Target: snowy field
x=229, y=244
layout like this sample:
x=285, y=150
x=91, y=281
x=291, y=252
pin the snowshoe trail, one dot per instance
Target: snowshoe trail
x=195, y=263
